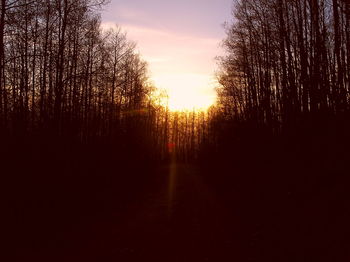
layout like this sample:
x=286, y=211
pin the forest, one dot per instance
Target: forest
x=96, y=167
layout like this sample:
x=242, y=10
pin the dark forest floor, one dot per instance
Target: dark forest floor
x=175, y=216
x=86, y=210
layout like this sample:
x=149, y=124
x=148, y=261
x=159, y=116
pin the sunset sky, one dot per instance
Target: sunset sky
x=179, y=39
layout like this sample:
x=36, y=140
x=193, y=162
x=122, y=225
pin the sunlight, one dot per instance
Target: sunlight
x=181, y=65
x=187, y=91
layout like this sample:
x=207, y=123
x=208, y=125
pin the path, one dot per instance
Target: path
x=177, y=218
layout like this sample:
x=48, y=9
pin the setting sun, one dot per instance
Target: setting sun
x=187, y=91
x=181, y=59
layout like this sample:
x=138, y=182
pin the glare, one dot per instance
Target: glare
x=187, y=91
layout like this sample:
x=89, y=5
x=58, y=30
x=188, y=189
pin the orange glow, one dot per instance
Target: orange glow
x=187, y=92
x=182, y=65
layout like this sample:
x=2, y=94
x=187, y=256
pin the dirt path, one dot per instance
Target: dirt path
x=177, y=218
x=182, y=221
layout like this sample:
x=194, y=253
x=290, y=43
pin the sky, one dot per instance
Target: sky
x=179, y=40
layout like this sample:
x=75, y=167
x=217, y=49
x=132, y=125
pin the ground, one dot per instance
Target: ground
x=177, y=217
x=176, y=213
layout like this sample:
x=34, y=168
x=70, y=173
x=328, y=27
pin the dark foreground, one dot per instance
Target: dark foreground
x=173, y=217
x=82, y=209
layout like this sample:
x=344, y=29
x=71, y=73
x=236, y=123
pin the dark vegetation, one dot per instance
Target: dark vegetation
x=77, y=120
x=282, y=128
x=82, y=134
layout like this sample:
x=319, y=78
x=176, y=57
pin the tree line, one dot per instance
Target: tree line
x=286, y=66
x=62, y=74
x=279, y=145
x=286, y=61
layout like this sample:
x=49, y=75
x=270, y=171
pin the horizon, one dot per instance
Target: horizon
x=179, y=41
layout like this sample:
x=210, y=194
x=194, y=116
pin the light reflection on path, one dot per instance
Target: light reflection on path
x=179, y=219
x=172, y=183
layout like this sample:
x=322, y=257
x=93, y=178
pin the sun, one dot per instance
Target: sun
x=189, y=99
x=187, y=92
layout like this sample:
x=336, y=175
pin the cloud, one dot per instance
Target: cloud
x=130, y=14
x=195, y=17
x=180, y=52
